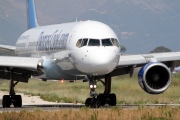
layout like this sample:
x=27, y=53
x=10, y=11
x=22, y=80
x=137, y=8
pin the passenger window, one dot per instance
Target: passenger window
x=115, y=42
x=84, y=42
x=106, y=42
x=78, y=44
x=94, y=42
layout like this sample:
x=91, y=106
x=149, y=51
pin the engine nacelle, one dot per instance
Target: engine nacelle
x=154, y=78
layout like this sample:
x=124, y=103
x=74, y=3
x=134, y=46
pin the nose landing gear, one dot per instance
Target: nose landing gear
x=98, y=100
x=94, y=101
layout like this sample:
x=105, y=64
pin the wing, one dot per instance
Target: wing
x=9, y=48
x=128, y=62
x=22, y=67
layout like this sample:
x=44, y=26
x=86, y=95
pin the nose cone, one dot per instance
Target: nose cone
x=102, y=61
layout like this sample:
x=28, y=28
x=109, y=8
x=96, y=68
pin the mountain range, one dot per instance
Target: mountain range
x=141, y=25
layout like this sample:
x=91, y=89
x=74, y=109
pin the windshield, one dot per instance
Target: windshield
x=106, y=42
x=84, y=42
x=94, y=42
x=78, y=44
x=97, y=42
x=115, y=42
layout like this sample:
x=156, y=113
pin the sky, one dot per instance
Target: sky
x=141, y=25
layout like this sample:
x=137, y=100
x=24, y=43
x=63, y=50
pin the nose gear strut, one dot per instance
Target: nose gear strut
x=98, y=100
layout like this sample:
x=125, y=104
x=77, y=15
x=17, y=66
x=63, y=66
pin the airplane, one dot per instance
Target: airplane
x=85, y=50
x=176, y=70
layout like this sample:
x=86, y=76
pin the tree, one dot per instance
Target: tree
x=160, y=49
x=123, y=49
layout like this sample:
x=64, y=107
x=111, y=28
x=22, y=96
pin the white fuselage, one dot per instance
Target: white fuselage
x=79, y=48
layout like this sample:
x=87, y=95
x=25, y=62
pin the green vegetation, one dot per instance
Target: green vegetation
x=158, y=113
x=160, y=49
x=126, y=89
x=123, y=48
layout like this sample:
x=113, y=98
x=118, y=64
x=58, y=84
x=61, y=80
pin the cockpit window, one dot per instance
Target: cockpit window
x=115, y=42
x=97, y=42
x=78, y=44
x=94, y=42
x=106, y=42
x=84, y=42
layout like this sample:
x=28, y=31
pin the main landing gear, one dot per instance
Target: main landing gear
x=97, y=100
x=12, y=98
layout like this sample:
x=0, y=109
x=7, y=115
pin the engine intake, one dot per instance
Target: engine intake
x=154, y=78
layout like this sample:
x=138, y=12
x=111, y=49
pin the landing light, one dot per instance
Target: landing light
x=91, y=86
x=62, y=81
x=40, y=64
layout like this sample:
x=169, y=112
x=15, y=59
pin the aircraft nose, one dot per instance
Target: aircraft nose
x=102, y=61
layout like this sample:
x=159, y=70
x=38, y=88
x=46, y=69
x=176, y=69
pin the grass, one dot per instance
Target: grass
x=127, y=90
x=158, y=113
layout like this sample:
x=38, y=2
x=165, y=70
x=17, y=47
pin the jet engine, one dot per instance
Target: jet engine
x=154, y=78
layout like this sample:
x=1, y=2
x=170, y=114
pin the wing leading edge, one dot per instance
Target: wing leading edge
x=7, y=47
x=20, y=67
x=128, y=60
x=127, y=63
x=20, y=62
